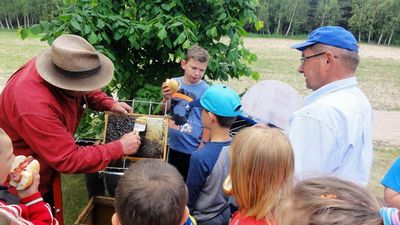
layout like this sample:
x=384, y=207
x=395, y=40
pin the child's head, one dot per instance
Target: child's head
x=195, y=64
x=262, y=164
x=221, y=105
x=4, y=219
x=330, y=201
x=197, y=53
x=6, y=156
x=151, y=192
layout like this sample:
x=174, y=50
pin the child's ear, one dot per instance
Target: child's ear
x=185, y=216
x=115, y=220
x=212, y=116
x=183, y=64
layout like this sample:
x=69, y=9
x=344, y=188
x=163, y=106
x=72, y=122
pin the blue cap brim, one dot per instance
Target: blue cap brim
x=303, y=45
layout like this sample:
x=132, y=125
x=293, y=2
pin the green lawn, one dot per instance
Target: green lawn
x=378, y=77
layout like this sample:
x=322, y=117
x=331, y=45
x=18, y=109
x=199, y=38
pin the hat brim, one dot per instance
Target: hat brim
x=304, y=45
x=53, y=75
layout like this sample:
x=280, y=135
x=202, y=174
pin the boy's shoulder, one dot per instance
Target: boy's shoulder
x=211, y=147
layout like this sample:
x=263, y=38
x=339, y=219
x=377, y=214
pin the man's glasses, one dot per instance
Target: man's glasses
x=303, y=59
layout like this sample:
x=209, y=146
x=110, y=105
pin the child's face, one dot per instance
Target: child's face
x=206, y=118
x=6, y=157
x=194, y=70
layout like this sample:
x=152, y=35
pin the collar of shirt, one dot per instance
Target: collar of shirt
x=330, y=88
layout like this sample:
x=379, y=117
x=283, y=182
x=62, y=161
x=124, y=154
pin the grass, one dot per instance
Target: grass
x=378, y=78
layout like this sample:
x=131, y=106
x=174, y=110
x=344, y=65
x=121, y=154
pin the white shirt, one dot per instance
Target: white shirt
x=332, y=133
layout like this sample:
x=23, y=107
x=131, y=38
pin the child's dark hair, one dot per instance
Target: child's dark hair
x=151, y=192
x=330, y=201
x=225, y=121
x=197, y=53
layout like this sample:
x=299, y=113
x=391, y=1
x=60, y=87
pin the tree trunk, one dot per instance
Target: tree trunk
x=324, y=14
x=1, y=24
x=380, y=38
x=291, y=19
x=369, y=34
x=359, y=35
x=8, y=26
x=18, y=25
x=391, y=35
x=10, y=21
x=279, y=24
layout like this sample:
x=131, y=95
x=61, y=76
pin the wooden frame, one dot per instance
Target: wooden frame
x=155, y=131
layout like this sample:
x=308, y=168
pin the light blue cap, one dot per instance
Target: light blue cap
x=220, y=100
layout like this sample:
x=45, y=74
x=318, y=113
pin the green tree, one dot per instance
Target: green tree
x=328, y=12
x=146, y=39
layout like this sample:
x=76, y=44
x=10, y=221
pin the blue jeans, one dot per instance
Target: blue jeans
x=220, y=219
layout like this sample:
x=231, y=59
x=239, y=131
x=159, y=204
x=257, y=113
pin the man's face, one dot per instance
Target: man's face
x=313, y=69
x=75, y=93
x=194, y=70
x=6, y=157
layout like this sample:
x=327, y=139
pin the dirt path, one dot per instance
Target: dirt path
x=387, y=127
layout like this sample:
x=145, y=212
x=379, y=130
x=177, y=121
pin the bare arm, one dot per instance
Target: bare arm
x=392, y=197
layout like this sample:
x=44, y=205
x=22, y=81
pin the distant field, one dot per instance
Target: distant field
x=378, y=76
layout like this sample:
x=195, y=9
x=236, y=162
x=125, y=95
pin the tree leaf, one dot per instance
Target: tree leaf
x=65, y=17
x=255, y=75
x=162, y=34
x=100, y=24
x=86, y=29
x=186, y=44
x=222, y=16
x=75, y=25
x=259, y=25
x=117, y=36
x=36, y=29
x=24, y=33
x=214, y=32
x=92, y=38
x=106, y=38
x=181, y=38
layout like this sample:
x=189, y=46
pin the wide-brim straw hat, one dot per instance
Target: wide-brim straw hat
x=72, y=63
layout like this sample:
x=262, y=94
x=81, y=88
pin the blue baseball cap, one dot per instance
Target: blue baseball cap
x=220, y=100
x=330, y=35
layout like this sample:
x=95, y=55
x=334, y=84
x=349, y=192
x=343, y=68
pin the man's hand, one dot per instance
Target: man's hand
x=130, y=143
x=33, y=189
x=121, y=107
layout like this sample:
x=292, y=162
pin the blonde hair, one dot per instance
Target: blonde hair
x=198, y=53
x=329, y=201
x=262, y=165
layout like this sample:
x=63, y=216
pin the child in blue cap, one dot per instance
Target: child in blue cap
x=210, y=165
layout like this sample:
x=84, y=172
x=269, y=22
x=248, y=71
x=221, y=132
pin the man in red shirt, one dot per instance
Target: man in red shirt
x=42, y=104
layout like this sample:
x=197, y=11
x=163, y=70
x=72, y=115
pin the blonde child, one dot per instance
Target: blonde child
x=29, y=208
x=261, y=172
x=331, y=201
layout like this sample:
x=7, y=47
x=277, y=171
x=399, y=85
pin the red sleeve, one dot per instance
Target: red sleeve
x=55, y=145
x=99, y=101
x=39, y=211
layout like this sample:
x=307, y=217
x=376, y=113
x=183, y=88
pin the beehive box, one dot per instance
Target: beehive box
x=154, y=139
x=98, y=211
